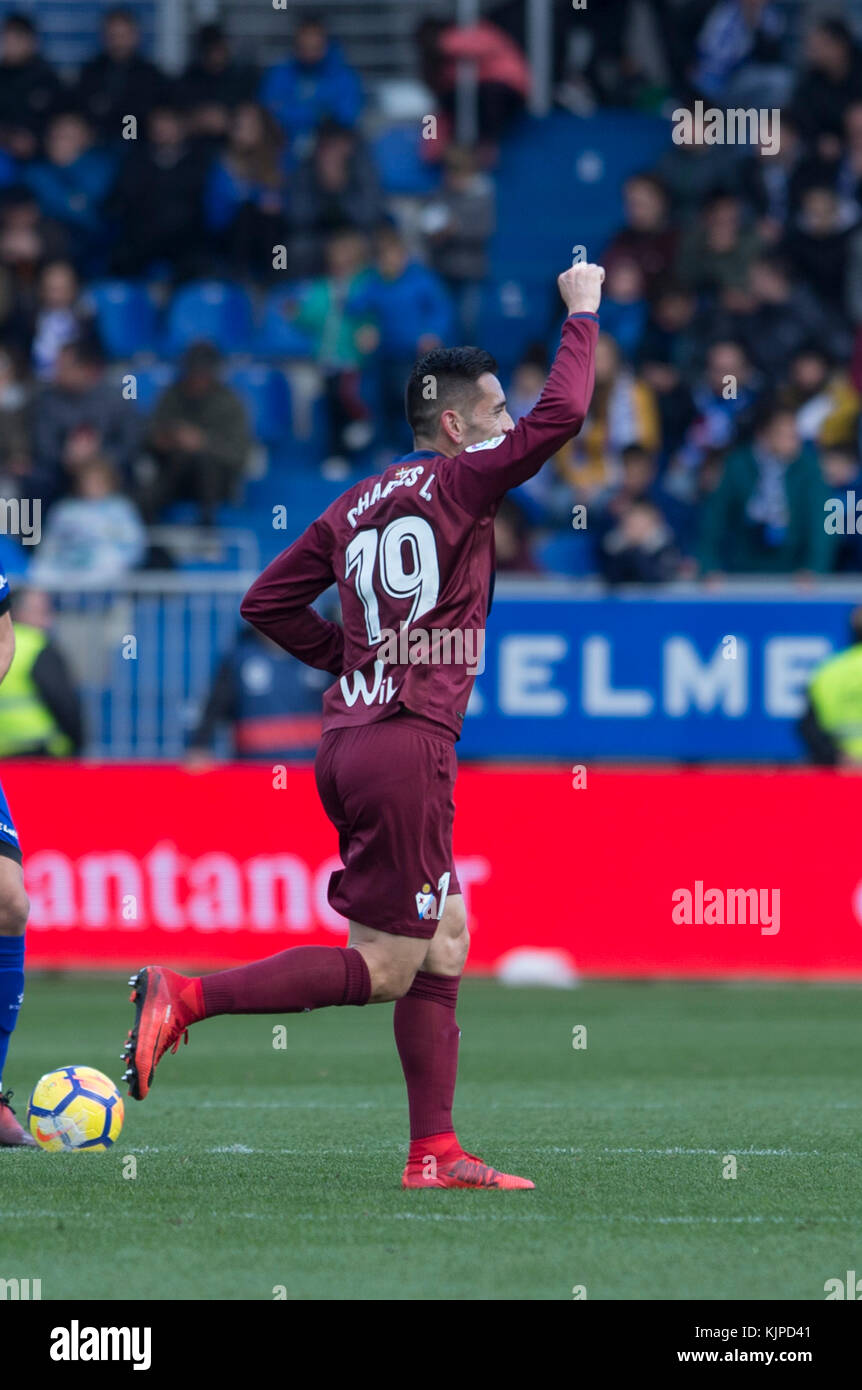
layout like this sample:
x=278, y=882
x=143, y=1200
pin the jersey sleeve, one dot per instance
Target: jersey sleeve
x=481, y=474
x=277, y=603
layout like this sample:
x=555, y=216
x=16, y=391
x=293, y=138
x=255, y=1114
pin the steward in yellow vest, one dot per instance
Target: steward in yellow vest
x=832, y=724
x=39, y=707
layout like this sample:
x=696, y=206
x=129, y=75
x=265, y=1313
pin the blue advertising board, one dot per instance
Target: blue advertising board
x=650, y=677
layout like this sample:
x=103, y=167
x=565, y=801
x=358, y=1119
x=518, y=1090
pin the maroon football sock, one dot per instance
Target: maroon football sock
x=426, y=1035
x=305, y=977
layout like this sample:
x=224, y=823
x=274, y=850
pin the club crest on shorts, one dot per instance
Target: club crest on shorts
x=426, y=904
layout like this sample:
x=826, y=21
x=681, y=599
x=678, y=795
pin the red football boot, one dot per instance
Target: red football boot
x=458, y=1169
x=12, y=1136
x=166, y=1004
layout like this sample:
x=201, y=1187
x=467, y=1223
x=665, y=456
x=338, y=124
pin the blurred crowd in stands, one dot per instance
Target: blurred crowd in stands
x=729, y=369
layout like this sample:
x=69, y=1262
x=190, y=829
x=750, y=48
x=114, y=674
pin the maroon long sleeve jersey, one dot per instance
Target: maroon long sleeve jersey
x=412, y=553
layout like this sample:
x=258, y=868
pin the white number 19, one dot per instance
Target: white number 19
x=421, y=580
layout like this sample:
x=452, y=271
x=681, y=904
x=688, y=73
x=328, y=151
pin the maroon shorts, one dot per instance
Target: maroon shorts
x=388, y=790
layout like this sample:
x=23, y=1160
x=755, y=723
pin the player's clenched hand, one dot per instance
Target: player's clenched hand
x=581, y=287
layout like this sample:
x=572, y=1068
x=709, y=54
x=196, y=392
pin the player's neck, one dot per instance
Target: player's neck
x=439, y=446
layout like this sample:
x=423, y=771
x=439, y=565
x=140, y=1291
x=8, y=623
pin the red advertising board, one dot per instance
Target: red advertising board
x=638, y=873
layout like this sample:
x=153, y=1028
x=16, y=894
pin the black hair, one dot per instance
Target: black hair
x=22, y=22
x=120, y=12
x=766, y=412
x=86, y=350
x=836, y=28
x=452, y=374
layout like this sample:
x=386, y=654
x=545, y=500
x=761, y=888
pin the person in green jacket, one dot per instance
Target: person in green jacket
x=767, y=514
x=831, y=727
x=341, y=340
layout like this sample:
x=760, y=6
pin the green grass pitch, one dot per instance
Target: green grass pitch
x=260, y=1169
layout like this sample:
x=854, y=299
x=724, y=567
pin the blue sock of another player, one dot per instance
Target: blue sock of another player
x=11, y=990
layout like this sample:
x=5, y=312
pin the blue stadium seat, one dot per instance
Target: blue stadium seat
x=514, y=313
x=397, y=154
x=277, y=335
x=125, y=317
x=151, y=382
x=266, y=394
x=568, y=171
x=569, y=554
x=209, y=310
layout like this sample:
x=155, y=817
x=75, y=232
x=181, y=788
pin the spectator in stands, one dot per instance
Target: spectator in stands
x=830, y=726
x=15, y=423
x=647, y=236
x=623, y=411
x=607, y=72
x=528, y=380
x=313, y=86
x=640, y=548
x=341, y=341
x=457, y=223
x=739, y=53
x=502, y=74
x=767, y=513
x=158, y=202
x=214, y=84
x=199, y=438
x=546, y=499
x=638, y=483
x=412, y=312
x=673, y=332
x=724, y=398
x=624, y=306
x=29, y=88
x=830, y=81
x=119, y=82
x=512, y=540
x=717, y=251
x=818, y=244
x=247, y=192
x=849, y=172
x=40, y=708
x=59, y=317
x=270, y=702
x=336, y=185
x=823, y=398
x=72, y=184
x=772, y=185
x=28, y=239
x=842, y=475
x=95, y=534
x=783, y=315
x=693, y=173
x=79, y=416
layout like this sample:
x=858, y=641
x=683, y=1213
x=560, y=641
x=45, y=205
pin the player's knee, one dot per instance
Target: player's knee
x=450, y=954
x=390, y=978
x=14, y=911
x=401, y=982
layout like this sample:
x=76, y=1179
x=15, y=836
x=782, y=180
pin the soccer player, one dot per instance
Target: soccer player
x=13, y=914
x=411, y=552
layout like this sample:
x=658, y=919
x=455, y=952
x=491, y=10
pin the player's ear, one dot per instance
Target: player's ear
x=452, y=425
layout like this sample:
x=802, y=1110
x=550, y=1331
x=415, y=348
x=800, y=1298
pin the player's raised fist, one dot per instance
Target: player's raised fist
x=581, y=287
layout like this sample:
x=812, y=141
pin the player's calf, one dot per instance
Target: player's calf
x=14, y=908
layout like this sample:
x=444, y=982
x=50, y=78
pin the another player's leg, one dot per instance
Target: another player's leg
x=427, y=1037
x=294, y=981
x=13, y=920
